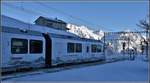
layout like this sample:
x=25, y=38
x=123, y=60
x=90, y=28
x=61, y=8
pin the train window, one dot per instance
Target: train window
x=74, y=47
x=36, y=46
x=70, y=47
x=87, y=49
x=78, y=47
x=94, y=47
x=99, y=48
x=19, y=46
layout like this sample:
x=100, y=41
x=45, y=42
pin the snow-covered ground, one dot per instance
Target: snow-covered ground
x=136, y=70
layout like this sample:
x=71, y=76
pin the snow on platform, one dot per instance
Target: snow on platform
x=118, y=71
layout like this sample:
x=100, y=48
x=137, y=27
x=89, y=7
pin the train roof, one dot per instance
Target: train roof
x=17, y=24
x=14, y=23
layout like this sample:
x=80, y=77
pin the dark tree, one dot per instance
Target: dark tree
x=144, y=23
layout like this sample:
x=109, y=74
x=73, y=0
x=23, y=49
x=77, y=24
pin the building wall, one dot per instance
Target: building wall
x=51, y=24
x=59, y=26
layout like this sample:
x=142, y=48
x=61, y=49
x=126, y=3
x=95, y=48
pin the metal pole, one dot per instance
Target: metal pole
x=148, y=44
x=128, y=48
x=104, y=47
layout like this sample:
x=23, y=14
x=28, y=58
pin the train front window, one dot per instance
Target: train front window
x=19, y=46
x=36, y=46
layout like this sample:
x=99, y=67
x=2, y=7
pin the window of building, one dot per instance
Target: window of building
x=36, y=46
x=49, y=24
x=19, y=46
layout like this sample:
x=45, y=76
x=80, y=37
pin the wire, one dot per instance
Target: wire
x=56, y=10
x=69, y=15
x=23, y=9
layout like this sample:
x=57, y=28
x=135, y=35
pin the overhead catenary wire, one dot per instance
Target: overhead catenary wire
x=62, y=12
x=71, y=16
x=22, y=8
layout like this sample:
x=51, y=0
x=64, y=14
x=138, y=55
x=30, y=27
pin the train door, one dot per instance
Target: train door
x=48, y=50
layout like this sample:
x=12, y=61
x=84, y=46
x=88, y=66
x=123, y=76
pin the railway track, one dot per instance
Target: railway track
x=58, y=68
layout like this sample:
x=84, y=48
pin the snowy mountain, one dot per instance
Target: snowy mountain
x=99, y=33
x=84, y=32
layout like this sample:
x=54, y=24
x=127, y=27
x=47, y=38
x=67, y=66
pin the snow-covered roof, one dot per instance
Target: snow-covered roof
x=14, y=23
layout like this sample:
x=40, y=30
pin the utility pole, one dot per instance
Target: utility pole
x=104, y=46
x=128, y=47
x=148, y=44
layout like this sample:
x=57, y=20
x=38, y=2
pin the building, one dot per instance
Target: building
x=51, y=23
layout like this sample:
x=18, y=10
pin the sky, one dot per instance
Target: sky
x=106, y=16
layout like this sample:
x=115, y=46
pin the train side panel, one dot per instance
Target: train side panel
x=12, y=58
x=60, y=52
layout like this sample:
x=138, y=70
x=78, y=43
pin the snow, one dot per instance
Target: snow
x=119, y=71
x=134, y=42
x=136, y=70
x=11, y=22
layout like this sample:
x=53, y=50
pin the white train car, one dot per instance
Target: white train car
x=26, y=44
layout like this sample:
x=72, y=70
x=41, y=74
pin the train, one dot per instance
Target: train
x=26, y=44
